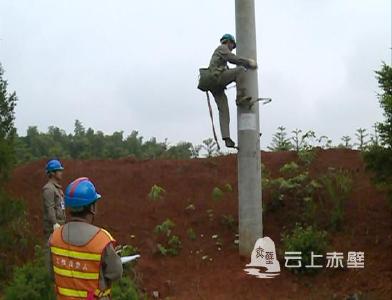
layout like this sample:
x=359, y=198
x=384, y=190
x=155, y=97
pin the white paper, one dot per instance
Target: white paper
x=127, y=259
x=247, y=122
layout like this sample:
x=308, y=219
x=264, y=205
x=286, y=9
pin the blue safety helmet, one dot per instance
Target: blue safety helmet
x=80, y=193
x=228, y=37
x=53, y=165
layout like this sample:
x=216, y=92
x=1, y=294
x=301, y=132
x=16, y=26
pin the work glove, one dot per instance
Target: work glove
x=252, y=64
x=55, y=226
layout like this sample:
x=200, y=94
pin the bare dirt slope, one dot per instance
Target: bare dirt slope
x=125, y=210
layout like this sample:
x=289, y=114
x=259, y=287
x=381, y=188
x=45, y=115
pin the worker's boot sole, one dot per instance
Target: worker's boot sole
x=229, y=143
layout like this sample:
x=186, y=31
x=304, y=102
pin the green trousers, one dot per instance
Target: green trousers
x=225, y=78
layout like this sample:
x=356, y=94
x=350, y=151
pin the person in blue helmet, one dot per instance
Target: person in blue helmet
x=53, y=198
x=218, y=76
x=83, y=261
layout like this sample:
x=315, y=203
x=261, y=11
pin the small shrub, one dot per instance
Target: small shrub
x=165, y=228
x=15, y=236
x=162, y=249
x=228, y=221
x=379, y=160
x=172, y=248
x=174, y=245
x=191, y=234
x=289, y=169
x=31, y=281
x=305, y=240
x=128, y=250
x=338, y=186
x=217, y=194
x=156, y=193
x=126, y=289
x=228, y=188
x=309, y=211
x=306, y=156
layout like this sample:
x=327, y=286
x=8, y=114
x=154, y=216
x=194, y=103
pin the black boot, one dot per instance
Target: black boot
x=229, y=142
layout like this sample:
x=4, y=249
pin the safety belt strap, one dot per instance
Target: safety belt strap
x=212, y=120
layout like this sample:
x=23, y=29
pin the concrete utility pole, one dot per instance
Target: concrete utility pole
x=249, y=161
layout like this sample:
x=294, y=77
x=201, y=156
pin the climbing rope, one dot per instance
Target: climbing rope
x=212, y=120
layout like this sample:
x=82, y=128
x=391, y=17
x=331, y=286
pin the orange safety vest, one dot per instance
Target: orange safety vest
x=76, y=268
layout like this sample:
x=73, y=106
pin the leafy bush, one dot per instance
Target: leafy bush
x=7, y=129
x=156, y=193
x=378, y=157
x=128, y=250
x=337, y=187
x=171, y=244
x=229, y=222
x=172, y=248
x=174, y=245
x=295, y=185
x=228, y=187
x=289, y=169
x=165, y=228
x=162, y=249
x=191, y=234
x=14, y=233
x=307, y=156
x=126, y=289
x=217, y=194
x=31, y=281
x=305, y=240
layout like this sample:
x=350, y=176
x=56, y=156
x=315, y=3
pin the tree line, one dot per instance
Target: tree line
x=304, y=140
x=90, y=144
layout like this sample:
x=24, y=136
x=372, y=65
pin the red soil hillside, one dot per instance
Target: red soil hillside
x=125, y=210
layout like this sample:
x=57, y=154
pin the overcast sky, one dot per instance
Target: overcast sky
x=133, y=65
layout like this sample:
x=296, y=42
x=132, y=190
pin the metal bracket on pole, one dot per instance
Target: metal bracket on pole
x=263, y=101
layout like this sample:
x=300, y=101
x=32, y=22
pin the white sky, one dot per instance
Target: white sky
x=133, y=65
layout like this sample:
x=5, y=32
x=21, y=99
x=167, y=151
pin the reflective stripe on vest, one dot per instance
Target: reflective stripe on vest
x=75, y=254
x=77, y=268
x=75, y=274
x=81, y=294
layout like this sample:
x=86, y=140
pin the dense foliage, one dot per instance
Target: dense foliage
x=7, y=129
x=89, y=144
x=305, y=240
x=14, y=233
x=31, y=281
x=378, y=157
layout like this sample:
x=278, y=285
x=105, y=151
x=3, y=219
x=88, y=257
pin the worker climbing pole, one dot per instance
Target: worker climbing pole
x=217, y=76
x=215, y=79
